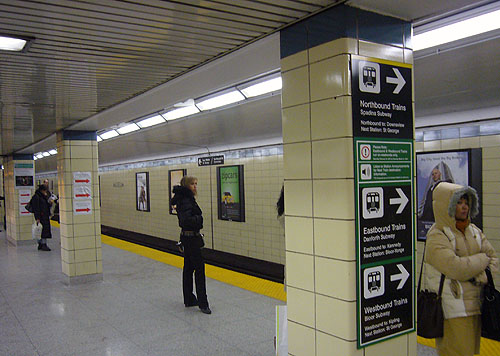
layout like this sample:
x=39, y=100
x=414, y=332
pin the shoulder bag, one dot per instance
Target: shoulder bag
x=490, y=310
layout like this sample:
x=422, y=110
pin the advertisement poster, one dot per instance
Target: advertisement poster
x=231, y=205
x=142, y=191
x=24, y=175
x=174, y=178
x=433, y=168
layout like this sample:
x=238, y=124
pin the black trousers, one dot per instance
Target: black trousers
x=193, y=263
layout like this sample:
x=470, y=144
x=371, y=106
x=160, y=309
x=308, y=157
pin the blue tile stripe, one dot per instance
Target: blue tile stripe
x=79, y=135
x=344, y=21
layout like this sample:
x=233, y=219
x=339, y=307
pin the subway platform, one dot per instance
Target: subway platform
x=136, y=310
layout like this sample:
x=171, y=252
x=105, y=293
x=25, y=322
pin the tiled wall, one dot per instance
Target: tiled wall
x=491, y=183
x=260, y=236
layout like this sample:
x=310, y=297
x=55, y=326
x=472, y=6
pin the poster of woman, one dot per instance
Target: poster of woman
x=142, y=191
x=433, y=168
x=174, y=178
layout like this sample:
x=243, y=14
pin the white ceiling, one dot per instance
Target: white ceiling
x=456, y=79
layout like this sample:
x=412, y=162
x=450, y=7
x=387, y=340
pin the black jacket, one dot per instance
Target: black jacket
x=188, y=211
x=41, y=207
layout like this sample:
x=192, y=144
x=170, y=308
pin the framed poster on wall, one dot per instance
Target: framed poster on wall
x=230, y=193
x=142, y=191
x=462, y=167
x=174, y=178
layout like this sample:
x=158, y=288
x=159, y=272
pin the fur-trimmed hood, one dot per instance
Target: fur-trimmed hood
x=444, y=201
x=180, y=193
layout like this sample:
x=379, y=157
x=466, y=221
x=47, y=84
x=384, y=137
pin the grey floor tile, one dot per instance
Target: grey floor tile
x=423, y=350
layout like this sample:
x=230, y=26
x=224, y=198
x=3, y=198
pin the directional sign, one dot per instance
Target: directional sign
x=82, y=178
x=82, y=207
x=382, y=114
x=81, y=192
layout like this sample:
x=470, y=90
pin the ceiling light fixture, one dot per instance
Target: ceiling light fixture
x=14, y=43
x=155, y=120
x=99, y=139
x=220, y=99
x=53, y=152
x=457, y=31
x=263, y=86
x=45, y=154
x=39, y=155
x=109, y=134
x=128, y=128
x=181, y=112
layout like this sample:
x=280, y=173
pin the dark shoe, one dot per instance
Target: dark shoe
x=39, y=246
x=206, y=310
x=45, y=247
x=193, y=304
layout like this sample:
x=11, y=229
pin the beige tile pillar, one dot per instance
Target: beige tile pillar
x=80, y=218
x=319, y=177
x=18, y=223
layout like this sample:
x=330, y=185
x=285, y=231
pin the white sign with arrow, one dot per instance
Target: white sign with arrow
x=398, y=80
x=402, y=200
x=401, y=277
x=82, y=192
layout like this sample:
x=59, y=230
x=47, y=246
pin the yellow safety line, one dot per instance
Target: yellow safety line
x=488, y=347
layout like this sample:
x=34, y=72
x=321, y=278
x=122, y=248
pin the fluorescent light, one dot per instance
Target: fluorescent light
x=39, y=155
x=220, y=100
x=45, y=154
x=12, y=44
x=99, y=139
x=34, y=158
x=128, y=128
x=155, y=120
x=459, y=30
x=181, y=112
x=109, y=134
x=53, y=152
x=261, y=88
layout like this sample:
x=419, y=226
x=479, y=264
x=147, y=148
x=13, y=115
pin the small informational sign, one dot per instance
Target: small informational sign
x=80, y=178
x=24, y=174
x=83, y=207
x=211, y=160
x=81, y=192
x=384, y=169
x=230, y=188
x=24, y=198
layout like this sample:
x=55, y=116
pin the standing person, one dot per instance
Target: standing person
x=41, y=210
x=458, y=249
x=191, y=222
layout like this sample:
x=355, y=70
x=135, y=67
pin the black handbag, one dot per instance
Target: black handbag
x=490, y=310
x=430, y=318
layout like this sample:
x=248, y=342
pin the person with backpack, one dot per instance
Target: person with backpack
x=459, y=250
x=41, y=209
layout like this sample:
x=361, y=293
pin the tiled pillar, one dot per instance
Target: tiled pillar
x=80, y=217
x=18, y=224
x=319, y=177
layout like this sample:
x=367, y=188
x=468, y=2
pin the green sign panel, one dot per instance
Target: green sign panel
x=230, y=191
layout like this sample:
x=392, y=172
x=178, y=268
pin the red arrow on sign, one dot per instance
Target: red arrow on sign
x=86, y=209
x=25, y=195
x=81, y=181
x=82, y=195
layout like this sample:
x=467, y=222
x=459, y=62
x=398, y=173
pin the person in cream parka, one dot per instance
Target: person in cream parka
x=458, y=249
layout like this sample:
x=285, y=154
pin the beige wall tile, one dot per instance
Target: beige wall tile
x=336, y=317
x=299, y=202
x=333, y=158
x=296, y=124
x=335, y=278
x=299, y=234
x=330, y=78
x=333, y=48
x=490, y=141
x=335, y=239
x=68, y=269
x=297, y=160
x=295, y=60
x=81, y=151
x=295, y=90
x=81, y=165
x=300, y=306
x=68, y=243
x=432, y=145
x=397, y=346
x=331, y=118
x=67, y=256
x=325, y=344
x=85, y=268
x=419, y=146
x=85, y=255
x=334, y=198
x=469, y=142
x=450, y=144
x=300, y=271
x=412, y=344
x=376, y=50
x=84, y=242
x=87, y=229
x=301, y=340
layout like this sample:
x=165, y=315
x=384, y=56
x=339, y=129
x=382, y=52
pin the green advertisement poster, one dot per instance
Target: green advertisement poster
x=230, y=193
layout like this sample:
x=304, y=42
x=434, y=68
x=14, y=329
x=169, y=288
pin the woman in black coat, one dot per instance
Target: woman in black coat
x=191, y=222
x=41, y=210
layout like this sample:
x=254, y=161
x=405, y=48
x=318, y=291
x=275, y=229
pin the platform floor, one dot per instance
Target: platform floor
x=136, y=310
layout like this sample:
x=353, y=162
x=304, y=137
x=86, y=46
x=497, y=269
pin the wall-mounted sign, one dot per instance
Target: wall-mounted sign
x=230, y=193
x=211, y=160
x=174, y=178
x=24, y=174
x=142, y=191
x=383, y=155
x=82, y=207
x=82, y=193
x=24, y=198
